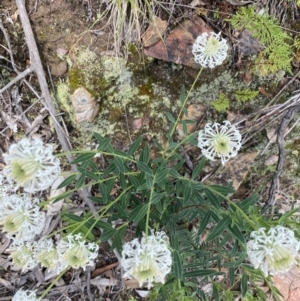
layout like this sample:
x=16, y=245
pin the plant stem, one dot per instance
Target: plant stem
x=185, y=101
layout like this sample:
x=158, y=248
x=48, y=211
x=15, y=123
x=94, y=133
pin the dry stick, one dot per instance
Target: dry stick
x=280, y=142
x=38, y=68
x=20, y=76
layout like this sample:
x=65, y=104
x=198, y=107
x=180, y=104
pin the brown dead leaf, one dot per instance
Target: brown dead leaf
x=246, y=78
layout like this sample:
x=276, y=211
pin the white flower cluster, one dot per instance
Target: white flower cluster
x=148, y=260
x=20, y=216
x=273, y=251
x=31, y=165
x=71, y=251
x=210, y=50
x=27, y=295
x=219, y=141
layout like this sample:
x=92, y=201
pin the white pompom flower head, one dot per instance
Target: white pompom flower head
x=274, y=251
x=219, y=141
x=148, y=260
x=21, y=217
x=22, y=255
x=75, y=252
x=32, y=165
x=210, y=50
x=26, y=295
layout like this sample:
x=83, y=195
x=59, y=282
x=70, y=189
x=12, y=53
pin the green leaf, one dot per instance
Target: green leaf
x=157, y=197
x=198, y=168
x=236, y=262
x=149, y=181
x=144, y=156
x=204, y=222
x=107, y=234
x=231, y=276
x=236, y=232
x=134, y=181
x=91, y=175
x=248, y=202
x=98, y=137
x=173, y=173
x=67, y=181
x=62, y=196
x=123, y=181
x=83, y=157
x=134, y=146
x=212, y=198
x=110, y=169
x=244, y=284
x=161, y=175
x=158, y=145
x=177, y=265
x=104, y=225
x=80, y=181
x=117, y=242
x=186, y=192
x=221, y=189
x=144, y=167
x=219, y=228
x=182, y=95
x=215, y=292
x=120, y=164
x=170, y=117
x=199, y=273
x=138, y=213
x=104, y=144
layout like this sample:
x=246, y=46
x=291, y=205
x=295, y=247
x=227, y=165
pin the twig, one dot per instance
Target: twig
x=20, y=76
x=281, y=152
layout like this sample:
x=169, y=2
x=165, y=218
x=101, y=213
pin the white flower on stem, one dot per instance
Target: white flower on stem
x=20, y=216
x=32, y=165
x=149, y=260
x=47, y=255
x=76, y=252
x=219, y=141
x=23, y=256
x=273, y=251
x=27, y=295
x=210, y=50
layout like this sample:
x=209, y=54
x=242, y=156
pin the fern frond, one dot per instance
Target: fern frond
x=221, y=104
x=245, y=94
x=278, y=53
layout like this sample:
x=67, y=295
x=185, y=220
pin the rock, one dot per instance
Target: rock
x=59, y=69
x=288, y=284
x=154, y=32
x=195, y=113
x=85, y=106
x=271, y=160
x=178, y=45
x=61, y=52
x=235, y=170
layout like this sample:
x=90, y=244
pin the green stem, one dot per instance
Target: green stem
x=184, y=103
x=53, y=283
x=245, y=216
